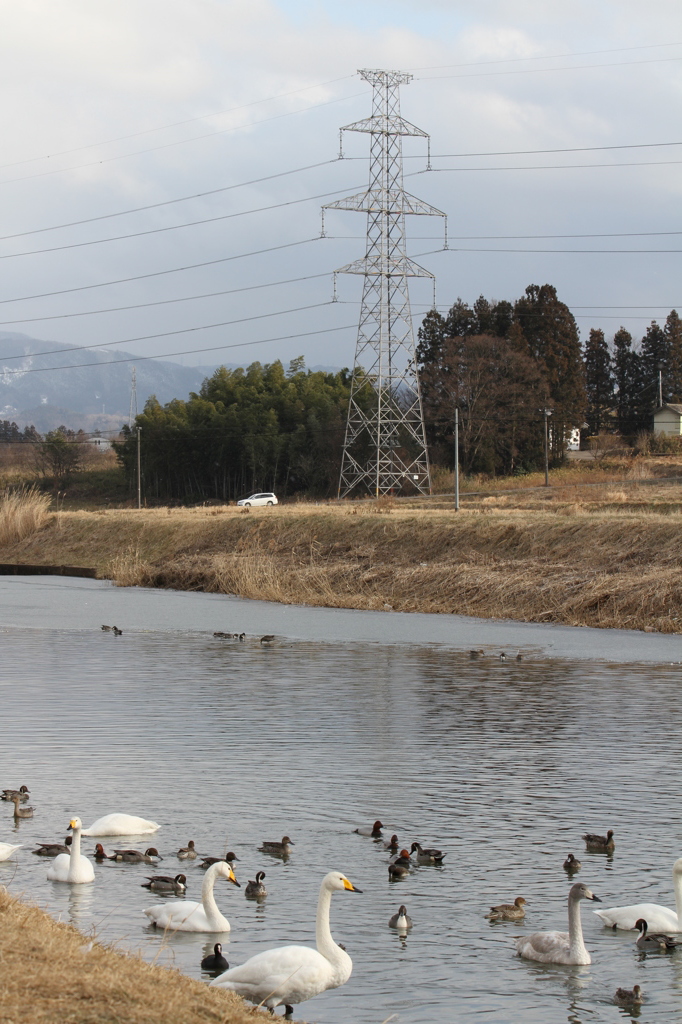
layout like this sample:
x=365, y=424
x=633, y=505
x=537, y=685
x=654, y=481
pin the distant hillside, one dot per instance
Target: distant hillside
x=93, y=397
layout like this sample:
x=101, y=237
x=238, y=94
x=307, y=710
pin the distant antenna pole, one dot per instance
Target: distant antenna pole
x=139, y=470
x=385, y=442
x=133, y=398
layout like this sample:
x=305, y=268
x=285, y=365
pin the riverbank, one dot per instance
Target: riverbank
x=51, y=972
x=589, y=564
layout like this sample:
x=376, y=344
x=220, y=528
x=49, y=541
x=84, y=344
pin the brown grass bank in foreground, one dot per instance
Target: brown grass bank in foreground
x=596, y=565
x=51, y=972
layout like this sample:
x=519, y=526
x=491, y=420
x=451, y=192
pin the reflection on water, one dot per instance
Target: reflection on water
x=501, y=764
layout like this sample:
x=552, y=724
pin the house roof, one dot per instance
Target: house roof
x=675, y=408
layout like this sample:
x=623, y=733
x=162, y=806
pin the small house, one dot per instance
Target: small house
x=668, y=420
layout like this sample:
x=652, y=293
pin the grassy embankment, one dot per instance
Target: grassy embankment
x=51, y=972
x=604, y=555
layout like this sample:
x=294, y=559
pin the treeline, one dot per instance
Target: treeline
x=500, y=364
x=246, y=430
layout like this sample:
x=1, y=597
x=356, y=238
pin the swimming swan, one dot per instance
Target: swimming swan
x=121, y=825
x=560, y=947
x=189, y=916
x=72, y=867
x=657, y=917
x=6, y=850
x=292, y=974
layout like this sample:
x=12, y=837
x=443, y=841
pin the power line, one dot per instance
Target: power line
x=531, y=152
x=543, y=71
x=551, y=167
x=550, y=56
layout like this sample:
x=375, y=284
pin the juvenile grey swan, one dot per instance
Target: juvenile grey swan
x=515, y=911
x=560, y=947
x=256, y=890
x=291, y=974
x=654, y=942
x=401, y=920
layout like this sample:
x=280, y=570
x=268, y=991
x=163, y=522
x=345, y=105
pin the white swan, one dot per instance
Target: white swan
x=560, y=947
x=72, y=867
x=6, y=850
x=292, y=974
x=657, y=917
x=189, y=916
x=121, y=825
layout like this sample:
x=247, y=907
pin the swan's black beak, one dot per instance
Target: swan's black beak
x=596, y=899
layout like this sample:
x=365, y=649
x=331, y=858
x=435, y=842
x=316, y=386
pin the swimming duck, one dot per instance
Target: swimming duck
x=370, y=830
x=189, y=916
x=21, y=812
x=599, y=844
x=9, y=794
x=629, y=996
x=476, y=653
x=571, y=864
x=165, y=883
x=292, y=974
x=215, y=961
x=100, y=854
x=187, y=852
x=116, y=631
x=72, y=867
x=256, y=890
x=428, y=856
x=53, y=849
x=560, y=947
x=281, y=849
x=7, y=849
x=150, y=856
x=515, y=911
x=401, y=920
x=400, y=866
x=392, y=844
x=654, y=941
x=208, y=862
x=268, y=638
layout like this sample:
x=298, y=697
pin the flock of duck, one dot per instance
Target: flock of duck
x=292, y=974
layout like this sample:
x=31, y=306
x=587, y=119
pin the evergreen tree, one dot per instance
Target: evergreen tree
x=599, y=382
x=673, y=332
x=655, y=354
x=627, y=376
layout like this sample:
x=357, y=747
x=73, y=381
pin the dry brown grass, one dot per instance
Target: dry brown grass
x=603, y=564
x=22, y=512
x=51, y=972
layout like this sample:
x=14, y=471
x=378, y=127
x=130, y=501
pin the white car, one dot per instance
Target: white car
x=259, y=499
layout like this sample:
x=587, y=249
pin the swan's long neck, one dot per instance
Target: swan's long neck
x=575, y=932
x=677, y=884
x=75, y=845
x=208, y=899
x=323, y=936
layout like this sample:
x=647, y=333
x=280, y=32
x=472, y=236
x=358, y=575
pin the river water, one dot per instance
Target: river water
x=503, y=764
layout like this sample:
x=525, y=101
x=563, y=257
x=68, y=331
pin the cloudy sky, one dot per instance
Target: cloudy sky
x=171, y=157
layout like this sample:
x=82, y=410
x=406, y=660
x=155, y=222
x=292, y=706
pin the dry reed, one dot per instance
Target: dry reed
x=22, y=512
x=51, y=972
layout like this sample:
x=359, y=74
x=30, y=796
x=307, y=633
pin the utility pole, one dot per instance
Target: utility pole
x=547, y=413
x=660, y=388
x=132, y=414
x=456, y=460
x=139, y=473
x=385, y=441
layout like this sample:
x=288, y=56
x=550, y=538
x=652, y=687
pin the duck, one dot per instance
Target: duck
x=208, y=861
x=428, y=856
x=571, y=864
x=215, y=961
x=515, y=911
x=150, y=856
x=107, y=629
x=281, y=849
x=256, y=890
x=116, y=631
x=654, y=941
x=400, y=920
x=629, y=996
x=289, y=975
x=269, y=638
x=392, y=844
x=599, y=844
x=9, y=794
x=187, y=852
x=165, y=883
x=658, y=917
x=400, y=865
x=7, y=849
x=72, y=867
x=370, y=830
x=476, y=653
x=560, y=947
x=101, y=855
x=21, y=812
x=188, y=916
x=53, y=849
x=121, y=825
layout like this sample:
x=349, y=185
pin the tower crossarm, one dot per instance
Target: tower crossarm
x=395, y=266
x=391, y=200
x=385, y=124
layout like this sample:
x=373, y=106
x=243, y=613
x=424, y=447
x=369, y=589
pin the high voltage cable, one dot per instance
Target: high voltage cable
x=550, y=167
x=551, y=56
x=531, y=152
x=544, y=71
x=187, y=352
x=161, y=334
x=160, y=273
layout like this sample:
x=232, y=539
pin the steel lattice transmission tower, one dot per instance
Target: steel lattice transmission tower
x=385, y=442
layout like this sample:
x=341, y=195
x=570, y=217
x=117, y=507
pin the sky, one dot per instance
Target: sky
x=164, y=162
